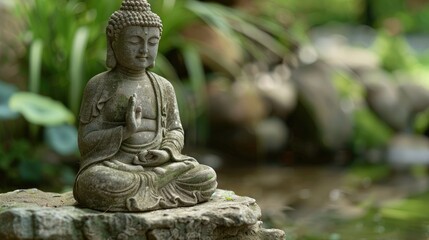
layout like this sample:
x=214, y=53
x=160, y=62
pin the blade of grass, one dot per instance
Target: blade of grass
x=35, y=65
x=233, y=23
x=210, y=14
x=76, y=68
x=260, y=37
x=196, y=72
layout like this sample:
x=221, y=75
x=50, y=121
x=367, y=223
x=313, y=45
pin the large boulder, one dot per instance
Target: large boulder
x=319, y=122
x=33, y=214
x=396, y=104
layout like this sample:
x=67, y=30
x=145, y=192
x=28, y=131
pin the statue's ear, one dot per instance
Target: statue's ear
x=110, y=58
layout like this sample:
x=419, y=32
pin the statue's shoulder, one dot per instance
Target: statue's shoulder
x=98, y=80
x=163, y=82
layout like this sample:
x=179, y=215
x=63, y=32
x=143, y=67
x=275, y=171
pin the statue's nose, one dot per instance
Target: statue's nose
x=143, y=48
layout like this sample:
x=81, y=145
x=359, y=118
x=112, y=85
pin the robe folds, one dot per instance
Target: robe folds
x=106, y=182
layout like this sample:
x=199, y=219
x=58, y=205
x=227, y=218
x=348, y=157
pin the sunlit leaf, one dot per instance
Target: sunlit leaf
x=40, y=110
x=62, y=139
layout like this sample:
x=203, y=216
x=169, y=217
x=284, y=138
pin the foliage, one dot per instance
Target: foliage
x=411, y=210
x=364, y=174
x=40, y=110
x=422, y=122
x=63, y=29
x=401, y=58
x=369, y=131
x=320, y=12
x=62, y=139
x=21, y=165
x=68, y=45
x=348, y=88
x=302, y=15
x=412, y=15
x=6, y=91
x=60, y=135
x=257, y=38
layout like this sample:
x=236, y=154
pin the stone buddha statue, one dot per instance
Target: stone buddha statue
x=130, y=134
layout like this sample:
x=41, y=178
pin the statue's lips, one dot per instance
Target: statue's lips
x=142, y=57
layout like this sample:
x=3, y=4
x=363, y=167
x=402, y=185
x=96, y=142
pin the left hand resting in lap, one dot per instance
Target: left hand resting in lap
x=153, y=158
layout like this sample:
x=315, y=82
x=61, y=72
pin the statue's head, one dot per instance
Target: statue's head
x=133, y=34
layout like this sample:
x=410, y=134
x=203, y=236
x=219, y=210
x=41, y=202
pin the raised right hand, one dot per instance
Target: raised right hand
x=133, y=117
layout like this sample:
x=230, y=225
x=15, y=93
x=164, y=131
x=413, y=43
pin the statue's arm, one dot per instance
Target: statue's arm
x=173, y=140
x=95, y=142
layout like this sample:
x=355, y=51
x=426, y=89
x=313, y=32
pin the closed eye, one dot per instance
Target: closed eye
x=134, y=40
x=153, y=41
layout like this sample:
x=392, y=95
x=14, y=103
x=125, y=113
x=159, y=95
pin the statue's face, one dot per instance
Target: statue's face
x=136, y=47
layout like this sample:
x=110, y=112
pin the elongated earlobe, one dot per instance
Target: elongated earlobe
x=110, y=58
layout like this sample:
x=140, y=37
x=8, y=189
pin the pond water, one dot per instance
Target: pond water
x=366, y=202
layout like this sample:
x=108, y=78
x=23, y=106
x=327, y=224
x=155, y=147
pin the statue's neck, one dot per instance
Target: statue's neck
x=131, y=74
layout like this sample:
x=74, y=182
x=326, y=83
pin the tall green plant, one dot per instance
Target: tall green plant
x=77, y=61
x=69, y=31
x=72, y=33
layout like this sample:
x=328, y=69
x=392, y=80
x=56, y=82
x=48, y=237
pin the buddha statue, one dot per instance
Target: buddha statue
x=130, y=135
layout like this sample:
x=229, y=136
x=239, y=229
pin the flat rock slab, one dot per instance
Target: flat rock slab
x=33, y=214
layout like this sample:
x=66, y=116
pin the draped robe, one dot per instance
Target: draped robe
x=103, y=184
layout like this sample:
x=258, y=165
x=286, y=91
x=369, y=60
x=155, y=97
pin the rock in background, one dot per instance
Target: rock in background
x=318, y=124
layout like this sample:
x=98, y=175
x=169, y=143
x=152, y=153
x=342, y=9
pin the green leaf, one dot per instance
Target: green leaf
x=40, y=110
x=369, y=132
x=195, y=68
x=30, y=170
x=62, y=139
x=6, y=91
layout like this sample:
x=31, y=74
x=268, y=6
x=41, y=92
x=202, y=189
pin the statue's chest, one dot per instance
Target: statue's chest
x=117, y=105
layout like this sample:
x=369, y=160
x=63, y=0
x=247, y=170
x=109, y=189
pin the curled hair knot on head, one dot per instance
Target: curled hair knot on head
x=132, y=13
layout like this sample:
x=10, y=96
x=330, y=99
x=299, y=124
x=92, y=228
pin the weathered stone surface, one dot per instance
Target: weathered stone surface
x=319, y=106
x=33, y=214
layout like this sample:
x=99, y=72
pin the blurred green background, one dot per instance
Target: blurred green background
x=318, y=109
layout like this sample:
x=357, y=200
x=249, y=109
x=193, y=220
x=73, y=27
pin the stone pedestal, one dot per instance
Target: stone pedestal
x=33, y=214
